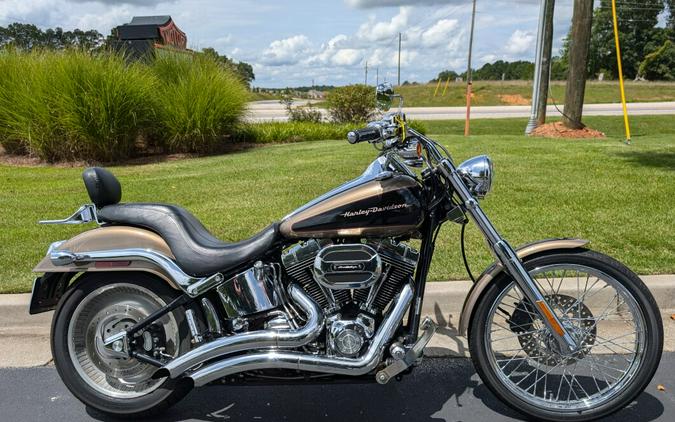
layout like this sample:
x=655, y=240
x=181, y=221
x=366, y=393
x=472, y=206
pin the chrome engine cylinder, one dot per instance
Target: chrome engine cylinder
x=250, y=292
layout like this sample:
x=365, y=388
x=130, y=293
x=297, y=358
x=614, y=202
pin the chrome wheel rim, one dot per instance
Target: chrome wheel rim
x=107, y=311
x=597, y=310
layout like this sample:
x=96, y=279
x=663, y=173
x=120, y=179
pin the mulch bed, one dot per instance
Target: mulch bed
x=32, y=161
x=558, y=130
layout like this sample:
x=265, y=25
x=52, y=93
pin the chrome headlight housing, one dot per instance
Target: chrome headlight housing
x=477, y=174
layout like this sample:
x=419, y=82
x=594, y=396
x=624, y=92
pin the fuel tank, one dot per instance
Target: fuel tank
x=380, y=203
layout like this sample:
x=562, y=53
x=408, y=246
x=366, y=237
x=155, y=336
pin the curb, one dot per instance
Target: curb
x=25, y=338
x=450, y=295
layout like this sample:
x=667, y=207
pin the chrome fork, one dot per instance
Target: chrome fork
x=507, y=256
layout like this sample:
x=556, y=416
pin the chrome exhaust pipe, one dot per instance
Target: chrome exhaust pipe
x=307, y=362
x=252, y=340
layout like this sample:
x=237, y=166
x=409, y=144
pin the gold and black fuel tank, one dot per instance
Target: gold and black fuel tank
x=386, y=204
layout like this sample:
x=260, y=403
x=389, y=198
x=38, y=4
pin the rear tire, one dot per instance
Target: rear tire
x=483, y=354
x=109, y=397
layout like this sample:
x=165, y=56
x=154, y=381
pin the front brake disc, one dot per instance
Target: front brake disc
x=539, y=344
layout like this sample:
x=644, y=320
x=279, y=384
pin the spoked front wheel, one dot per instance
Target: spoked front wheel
x=604, y=306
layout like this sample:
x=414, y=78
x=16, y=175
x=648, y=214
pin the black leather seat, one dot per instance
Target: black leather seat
x=196, y=250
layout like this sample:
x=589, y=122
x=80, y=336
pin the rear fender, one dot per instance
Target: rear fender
x=496, y=269
x=50, y=287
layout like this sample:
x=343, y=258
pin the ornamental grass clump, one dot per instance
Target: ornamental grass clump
x=199, y=102
x=73, y=105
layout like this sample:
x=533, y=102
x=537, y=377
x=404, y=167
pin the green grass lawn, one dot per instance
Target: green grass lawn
x=621, y=197
x=487, y=93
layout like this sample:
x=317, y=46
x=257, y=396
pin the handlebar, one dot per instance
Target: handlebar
x=368, y=134
x=390, y=130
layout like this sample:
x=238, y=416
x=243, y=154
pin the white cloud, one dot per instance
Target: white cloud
x=389, y=57
x=338, y=51
x=440, y=33
x=346, y=57
x=287, y=51
x=520, y=42
x=368, y=4
x=118, y=2
x=380, y=31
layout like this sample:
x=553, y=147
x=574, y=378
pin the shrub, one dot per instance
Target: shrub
x=199, y=102
x=418, y=126
x=351, y=104
x=308, y=113
x=269, y=132
x=73, y=105
x=660, y=64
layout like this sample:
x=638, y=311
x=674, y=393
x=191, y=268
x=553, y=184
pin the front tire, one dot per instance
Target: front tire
x=101, y=304
x=518, y=361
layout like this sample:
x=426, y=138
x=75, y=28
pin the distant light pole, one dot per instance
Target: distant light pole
x=366, y=80
x=399, y=59
x=469, y=80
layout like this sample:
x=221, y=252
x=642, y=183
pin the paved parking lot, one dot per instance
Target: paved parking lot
x=440, y=389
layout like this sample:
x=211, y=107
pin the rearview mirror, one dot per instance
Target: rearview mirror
x=384, y=96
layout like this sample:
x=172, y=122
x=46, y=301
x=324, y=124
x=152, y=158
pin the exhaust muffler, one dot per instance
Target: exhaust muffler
x=306, y=362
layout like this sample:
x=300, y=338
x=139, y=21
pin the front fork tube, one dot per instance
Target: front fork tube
x=509, y=259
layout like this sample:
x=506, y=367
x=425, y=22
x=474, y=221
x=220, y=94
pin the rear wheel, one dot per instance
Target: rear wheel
x=606, y=308
x=99, y=306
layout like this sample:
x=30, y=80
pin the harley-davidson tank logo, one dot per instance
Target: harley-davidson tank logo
x=374, y=210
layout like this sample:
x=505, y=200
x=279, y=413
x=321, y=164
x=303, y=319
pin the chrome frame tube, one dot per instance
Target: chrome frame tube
x=254, y=339
x=309, y=362
x=193, y=286
x=507, y=256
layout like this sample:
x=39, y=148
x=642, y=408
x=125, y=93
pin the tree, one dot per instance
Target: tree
x=660, y=64
x=638, y=33
x=580, y=38
x=445, y=75
x=243, y=69
x=27, y=37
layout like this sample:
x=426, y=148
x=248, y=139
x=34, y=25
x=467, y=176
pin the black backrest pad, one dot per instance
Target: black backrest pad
x=103, y=188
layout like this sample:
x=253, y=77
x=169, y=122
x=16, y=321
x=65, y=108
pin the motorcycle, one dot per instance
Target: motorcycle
x=149, y=304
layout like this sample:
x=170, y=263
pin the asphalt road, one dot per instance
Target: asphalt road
x=272, y=110
x=440, y=389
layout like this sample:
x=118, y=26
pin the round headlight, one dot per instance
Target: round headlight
x=477, y=175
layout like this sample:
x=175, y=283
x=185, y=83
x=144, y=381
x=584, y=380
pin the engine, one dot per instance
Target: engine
x=354, y=283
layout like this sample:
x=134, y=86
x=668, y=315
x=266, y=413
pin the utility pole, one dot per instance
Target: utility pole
x=532, y=123
x=366, y=82
x=542, y=65
x=580, y=40
x=399, y=59
x=377, y=76
x=469, y=78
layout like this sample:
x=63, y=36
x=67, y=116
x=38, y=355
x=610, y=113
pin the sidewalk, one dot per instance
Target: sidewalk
x=24, y=338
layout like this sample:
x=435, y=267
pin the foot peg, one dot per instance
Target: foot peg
x=405, y=359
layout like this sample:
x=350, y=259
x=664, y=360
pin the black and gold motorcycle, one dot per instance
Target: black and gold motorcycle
x=150, y=304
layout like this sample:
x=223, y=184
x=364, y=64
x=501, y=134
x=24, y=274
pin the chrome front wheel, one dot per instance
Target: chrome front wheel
x=606, y=309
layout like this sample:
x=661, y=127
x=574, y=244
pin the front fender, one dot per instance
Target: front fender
x=495, y=269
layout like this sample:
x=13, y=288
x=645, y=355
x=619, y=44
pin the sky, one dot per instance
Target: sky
x=295, y=43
